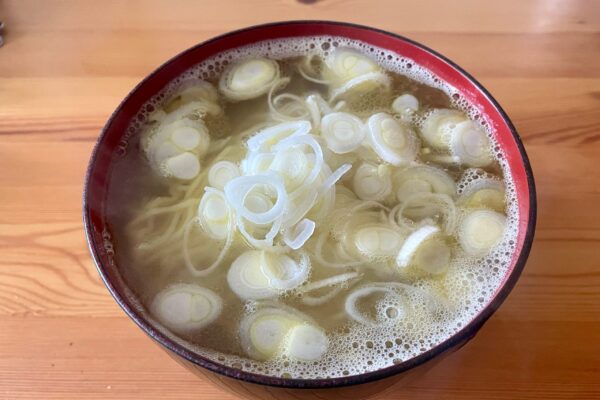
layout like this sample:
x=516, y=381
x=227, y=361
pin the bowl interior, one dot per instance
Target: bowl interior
x=112, y=141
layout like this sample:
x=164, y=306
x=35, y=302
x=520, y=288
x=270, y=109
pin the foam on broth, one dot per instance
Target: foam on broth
x=354, y=349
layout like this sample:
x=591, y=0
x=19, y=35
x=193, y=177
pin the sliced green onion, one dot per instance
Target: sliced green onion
x=305, y=66
x=194, y=110
x=483, y=193
x=186, y=307
x=425, y=250
x=262, y=333
x=249, y=78
x=283, y=272
x=471, y=145
x=377, y=241
x=277, y=330
x=193, y=90
x=343, y=132
x=247, y=279
x=186, y=253
x=395, y=310
x=422, y=206
x=297, y=235
x=423, y=179
x=372, y=182
x=214, y=214
x=393, y=142
x=481, y=230
x=165, y=148
x=183, y=166
x=251, y=235
x=305, y=140
x=438, y=127
x=268, y=137
x=322, y=299
x=362, y=84
x=237, y=189
x=405, y=104
x=222, y=172
x=306, y=342
x=335, y=176
x=346, y=64
x=331, y=281
x=256, y=163
x=344, y=260
x=433, y=256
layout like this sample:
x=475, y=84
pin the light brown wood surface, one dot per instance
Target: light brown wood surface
x=66, y=65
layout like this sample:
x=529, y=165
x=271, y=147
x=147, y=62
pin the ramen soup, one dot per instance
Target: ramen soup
x=311, y=208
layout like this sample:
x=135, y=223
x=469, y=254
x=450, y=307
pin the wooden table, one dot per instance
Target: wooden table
x=66, y=65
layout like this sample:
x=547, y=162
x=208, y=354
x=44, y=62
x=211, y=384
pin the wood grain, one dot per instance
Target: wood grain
x=66, y=65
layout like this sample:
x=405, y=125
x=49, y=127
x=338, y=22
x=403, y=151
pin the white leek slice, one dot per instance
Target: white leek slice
x=344, y=260
x=214, y=214
x=267, y=231
x=372, y=182
x=268, y=137
x=347, y=64
x=186, y=307
x=195, y=271
x=299, y=204
x=405, y=104
x=197, y=90
x=306, y=68
x=222, y=172
x=395, y=309
x=425, y=250
x=362, y=84
x=438, y=127
x=256, y=163
x=344, y=196
x=190, y=135
x=237, y=189
x=393, y=142
x=433, y=256
x=481, y=230
x=306, y=342
x=249, y=78
x=292, y=165
x=423, y=207
x=172, y=139
x=471, y=145
x=247, y=279
x=297, y=235
x=312, y=301
x=186, y=138
x=196, y=109
x=423, y=179
x=183, y=166
x=317, y=107
x=162, y=152
x=343, y=132
x=283, y=272
x=413, y=242
x=262, y=334
x=483, y=193
x=286, y=106
x=335, y=176
x=331, y=281
x=310, y=141
x=377, y=241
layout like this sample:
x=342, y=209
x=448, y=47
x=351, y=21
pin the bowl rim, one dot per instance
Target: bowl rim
x=462, y=336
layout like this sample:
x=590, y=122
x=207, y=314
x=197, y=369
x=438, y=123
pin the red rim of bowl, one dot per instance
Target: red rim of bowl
x=444, y=68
